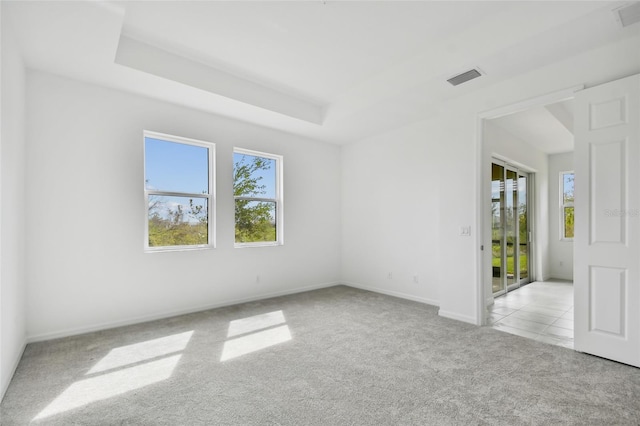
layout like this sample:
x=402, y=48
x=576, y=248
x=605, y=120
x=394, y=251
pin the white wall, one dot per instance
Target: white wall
x=499, y=143
x=390, y=224
x=444, y=145
x=86, y=213
x=561, y=252
x=12, y=203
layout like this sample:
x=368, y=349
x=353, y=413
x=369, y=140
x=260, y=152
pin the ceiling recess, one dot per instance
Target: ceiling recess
x=464, y=77
x=628, y=15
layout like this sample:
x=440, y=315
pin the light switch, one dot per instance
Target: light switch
x=465, y=231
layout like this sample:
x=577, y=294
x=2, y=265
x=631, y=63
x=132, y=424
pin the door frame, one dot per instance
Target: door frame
x=483, y=296
x=531, y=208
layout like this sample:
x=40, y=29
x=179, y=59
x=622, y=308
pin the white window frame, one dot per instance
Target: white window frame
x=211, y=196
x=564, y=204
x=278, y=200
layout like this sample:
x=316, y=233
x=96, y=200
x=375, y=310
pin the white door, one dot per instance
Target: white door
x=607, y=221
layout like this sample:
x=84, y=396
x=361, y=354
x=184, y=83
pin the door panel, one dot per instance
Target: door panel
x=607, y=191
x=607, y=221
x=607, y=287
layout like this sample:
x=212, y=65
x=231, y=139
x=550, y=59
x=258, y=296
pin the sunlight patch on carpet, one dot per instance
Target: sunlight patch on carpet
x=254, y=323
x=256, y=333
x=122, y=370
x=132, y=354
x=106, y=386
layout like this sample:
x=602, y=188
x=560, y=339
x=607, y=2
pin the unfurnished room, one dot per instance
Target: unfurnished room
x=319, y=212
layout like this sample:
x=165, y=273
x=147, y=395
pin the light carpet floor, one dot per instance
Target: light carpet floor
x=337, y=356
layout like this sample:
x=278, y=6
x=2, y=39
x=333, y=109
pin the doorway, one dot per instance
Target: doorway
x=606, y=319
x=510, y=227
x=524, y=152
x=511, y=147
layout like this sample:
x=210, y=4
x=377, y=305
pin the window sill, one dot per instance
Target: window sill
x=177, y=248
x=250, y=245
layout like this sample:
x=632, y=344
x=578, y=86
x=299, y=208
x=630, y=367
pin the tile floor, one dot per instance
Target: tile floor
x=541, y=310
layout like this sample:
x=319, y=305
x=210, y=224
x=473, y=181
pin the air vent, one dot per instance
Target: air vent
x=464, y=77
x=628, y=15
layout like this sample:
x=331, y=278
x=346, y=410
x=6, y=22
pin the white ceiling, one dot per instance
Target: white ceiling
x=331, y=70
x=548, y=128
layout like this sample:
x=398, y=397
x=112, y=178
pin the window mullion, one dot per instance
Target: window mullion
x=177, y=194
x=265, y=200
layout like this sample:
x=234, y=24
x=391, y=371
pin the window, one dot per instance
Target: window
x=566, y=205
x=179, y=192
x=257, y=189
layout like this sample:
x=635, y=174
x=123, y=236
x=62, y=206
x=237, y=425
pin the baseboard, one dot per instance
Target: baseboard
x=16, y=361
x=172, y=313
x=392, y=293
x=559, y=278
x=458, y=317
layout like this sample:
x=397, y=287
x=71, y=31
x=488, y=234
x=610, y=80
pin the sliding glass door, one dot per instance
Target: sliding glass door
x=523, y=228
x=510, y=233
x=497, y=228
x=511, y=227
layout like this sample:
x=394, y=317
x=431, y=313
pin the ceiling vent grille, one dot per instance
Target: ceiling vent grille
x=628, y=15
x=464, y=77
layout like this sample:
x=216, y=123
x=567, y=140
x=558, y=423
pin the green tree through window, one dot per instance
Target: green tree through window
x=567, y=209
x=256, y=192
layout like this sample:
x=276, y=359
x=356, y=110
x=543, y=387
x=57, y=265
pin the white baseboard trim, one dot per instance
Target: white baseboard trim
x=392, y=293
x=16, y=361
x=458, y=317
x=173, y=313
x=558, y=277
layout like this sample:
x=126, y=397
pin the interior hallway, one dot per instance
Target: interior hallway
x=541, y=310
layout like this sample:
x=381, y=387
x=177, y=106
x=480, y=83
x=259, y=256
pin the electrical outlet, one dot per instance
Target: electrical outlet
x=415, y=278
x=389, y=276
x=257, y=279
x=465, y=231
